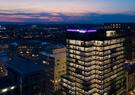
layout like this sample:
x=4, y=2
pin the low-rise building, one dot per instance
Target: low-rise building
x=54, y=57
x=24, y=78
x=130, y=77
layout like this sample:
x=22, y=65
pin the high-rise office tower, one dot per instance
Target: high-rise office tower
x=129, y=29
x=95, y=61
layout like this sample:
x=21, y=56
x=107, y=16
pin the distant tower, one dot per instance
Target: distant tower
x=95, y=61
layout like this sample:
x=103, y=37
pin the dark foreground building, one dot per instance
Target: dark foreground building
x=29, y=76
x=94, y=63
x=7, y=79
x=8, y=85
x=23, y=78
x=130, y=77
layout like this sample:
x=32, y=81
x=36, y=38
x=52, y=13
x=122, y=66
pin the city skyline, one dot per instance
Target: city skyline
x=86, y=11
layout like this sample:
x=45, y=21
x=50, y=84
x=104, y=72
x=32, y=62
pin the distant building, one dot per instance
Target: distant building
x=130, y=77
x=3, y=70
x=29, y=50
x=54, y=57
x=12, y=50
x=94, y=63
x=3, y=35
x=120, y=26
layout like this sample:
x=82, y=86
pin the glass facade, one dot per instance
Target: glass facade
x=94, y=67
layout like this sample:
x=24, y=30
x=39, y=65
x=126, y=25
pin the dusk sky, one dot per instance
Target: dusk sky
x=89, y=11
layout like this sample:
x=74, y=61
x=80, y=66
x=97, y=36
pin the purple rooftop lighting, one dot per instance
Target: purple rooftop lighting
x=81, y=31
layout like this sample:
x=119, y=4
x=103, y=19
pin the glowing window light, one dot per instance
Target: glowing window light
x=105, y=93
x=27, y=52
x=21, y=52
x=110, y=33
x=4, y=90
x=44, y=62
x=12, y=87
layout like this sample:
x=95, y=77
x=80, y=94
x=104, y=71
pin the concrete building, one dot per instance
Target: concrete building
x=54, y=57
x=94, y=63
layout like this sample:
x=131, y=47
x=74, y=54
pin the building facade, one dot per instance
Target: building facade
x=130, y=77
x=54, y=58
x=24, y=78
x=94, y=63
x=129, y=29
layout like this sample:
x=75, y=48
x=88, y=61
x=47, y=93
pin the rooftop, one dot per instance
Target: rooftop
x=24, y=67
x=48, y=48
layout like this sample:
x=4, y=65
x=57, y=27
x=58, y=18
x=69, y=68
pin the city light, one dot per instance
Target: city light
x=13, y=87
x=80, y=30
x=5, y=90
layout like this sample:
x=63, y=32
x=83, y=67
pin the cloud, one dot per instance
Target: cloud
x=22, y=16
